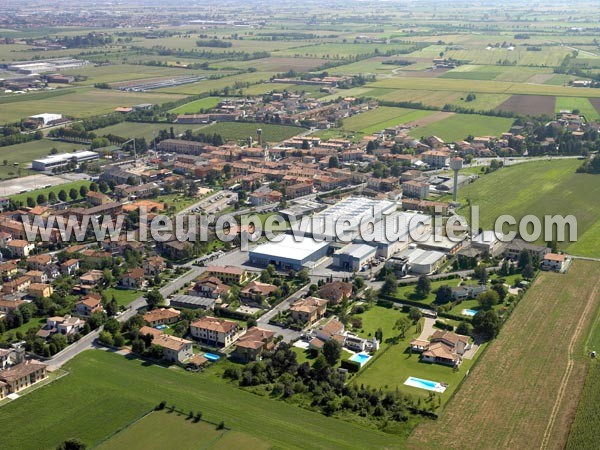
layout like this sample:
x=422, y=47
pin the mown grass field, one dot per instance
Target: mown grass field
x=172, y=429
x=144, y=130
x=104, y=392
x=459, y=126
x=509, y=398
x=197, y=105
x=78, y=103
x=381, y=118
x=582, y=104
x=242, y=130
x=553, y=187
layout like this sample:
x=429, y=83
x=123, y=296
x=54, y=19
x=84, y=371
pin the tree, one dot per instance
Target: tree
x=390, y=285
x=464, y=328
x=334, y=162
x=423, y=287
x=71, y=444
x=94, y=186
x=332, y=352
x=41, y=199
x=51, y=197
x=443, y=295
x=73, y=194
x=154, y=298
x=83, y=190
x=486, y=324
x=106, y=338
x=487, y=300
x=480, y=273
x=30, y=202
x=528, y=272
x=415, y=314
x=62, y=195
x=379, y=334
x=402, y=325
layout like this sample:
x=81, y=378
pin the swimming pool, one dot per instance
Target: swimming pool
x=425, y=384
x=468, y=312
x=360, y=358
x=212, y=357
x=161, y=327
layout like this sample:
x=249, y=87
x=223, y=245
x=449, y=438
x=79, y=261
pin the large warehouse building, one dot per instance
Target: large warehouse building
x=353, y=256
x=62, y=159
x=289, y=254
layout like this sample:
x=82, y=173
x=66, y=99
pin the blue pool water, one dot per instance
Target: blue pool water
x=360, y=358
x=470, y=312
x=161, y=327
x=212, y=356
x=424, y=383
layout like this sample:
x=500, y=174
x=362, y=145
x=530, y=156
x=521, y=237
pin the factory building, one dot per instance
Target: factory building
x=62, y=159
x=289, y=253
x=354, y=256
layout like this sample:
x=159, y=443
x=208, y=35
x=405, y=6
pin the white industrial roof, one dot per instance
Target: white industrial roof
x=356, y=250
x=60, y=157
x=419, y=256
x=290, y=248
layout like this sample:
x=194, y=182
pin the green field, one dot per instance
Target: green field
x=195, y=106
x=123, y=296
x=381, y=118
x=459, y=126
x=582, y=104
x=143, y=130
x=552, y=187
x=171, y=429
x=27, y=152
x=104, y=392
x=77, y=102
x=207, y=86
x=242, y=130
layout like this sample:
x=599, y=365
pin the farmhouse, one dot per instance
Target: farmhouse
x=21, y=376
x=308, y=310
x=175, y=349
x=335, y=291
x=209, y=287
x=228, y=274
x=251, y=345
x=214, y=331
x=554, y=262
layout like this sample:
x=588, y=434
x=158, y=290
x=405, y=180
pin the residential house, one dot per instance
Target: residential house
x=308, y=310
x=209, y=287
x=335, y=291
x=175, y=349
x=40, y=290
x=154, y=265
x=228, y=274
x=8, y=269
x=554, y=262
x=21, y=376
x=88, y=305
x=251, y=345
x=134, y=279
x=444, y=347
x=66, y=326
x=37, y=276
x=91, y=278
x=98, y=198
x=70, y=267
x=415, y=189
x=17, y=285
x=468, y=291
x=10, y=306
x=20, y=248
x=513, y=250
x=161, y=316
x=256, y=292
x=214, y=331
x=39, y=262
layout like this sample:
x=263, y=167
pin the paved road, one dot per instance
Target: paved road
x=288, y=335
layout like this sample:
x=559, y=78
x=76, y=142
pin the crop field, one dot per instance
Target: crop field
x=499, y=73
x=582, y=104
x=242, y=130
x=552, y=188
x=482, y=102
x=197, y=105
x=168, y=429
x=104, y=392
x=525, y=390
x=459, y=126
x=145, y=130
x=337, y=50
x=533, y=105
x=273, y=64
x=431, y=98
x=481, y=86
x=79, y=103
x=381, y=118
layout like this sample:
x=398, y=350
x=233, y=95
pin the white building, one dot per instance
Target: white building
x=289, y=253
x=423, y=262
x=353, y=256
x=46, y=118
x=62, y=159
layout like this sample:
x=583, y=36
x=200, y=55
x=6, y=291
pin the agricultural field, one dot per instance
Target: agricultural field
x=338, y=50
x=167, y=429
x=120, y=390
x=77, y=102
x=207, y=86
x=197, y=105
x=273, y=64
x=459, y=126
x=242, y=130
x=553, y=187
x=144, y=130
x=381, y=118
x=533, y=105
x=582, y=104
x=525, y=389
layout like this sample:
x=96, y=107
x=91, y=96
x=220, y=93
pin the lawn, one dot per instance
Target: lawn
x=123, y=296
x=459, y=126
x=169, y=429
x=525, y=389
x=104, y=392
x=143, y=130
x=242, y=130
x=582, y=104
x=36, y=322
x=197, y=105
x=379, y=119
x=552, y=187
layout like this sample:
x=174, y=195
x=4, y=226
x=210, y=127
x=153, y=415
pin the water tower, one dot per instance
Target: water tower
x=456, y=164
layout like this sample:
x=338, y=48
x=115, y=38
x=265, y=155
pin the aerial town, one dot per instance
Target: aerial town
x=376, y=221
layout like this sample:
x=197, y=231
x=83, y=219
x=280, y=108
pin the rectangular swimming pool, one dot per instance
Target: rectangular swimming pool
x=212, y=357
x=468, y=312
x=361, y=358
x=425, y=384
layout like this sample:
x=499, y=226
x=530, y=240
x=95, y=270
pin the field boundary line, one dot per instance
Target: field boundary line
x=564, y=382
